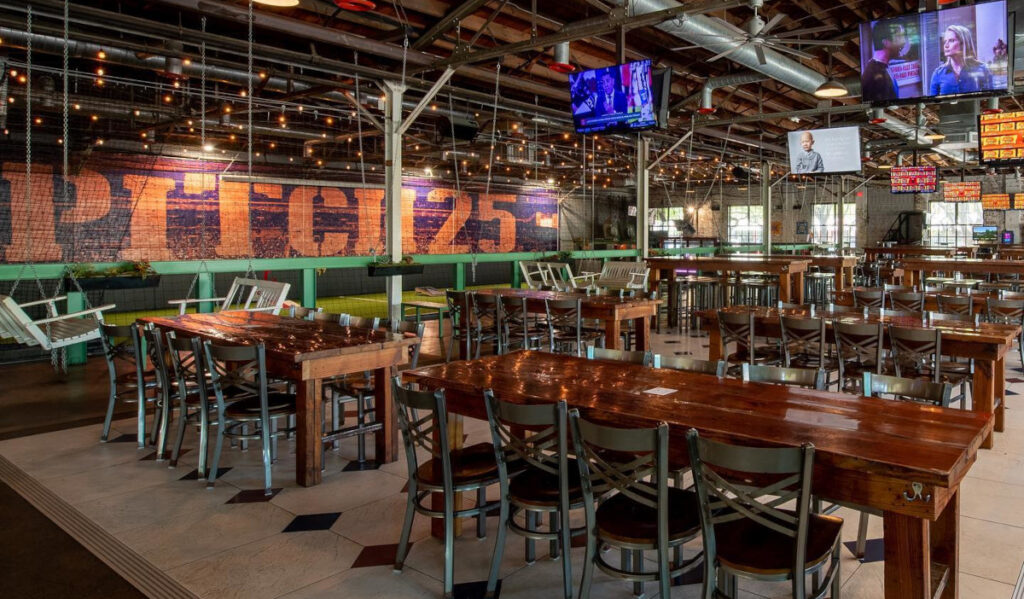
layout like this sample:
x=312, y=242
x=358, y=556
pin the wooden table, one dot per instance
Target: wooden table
x=611, y=309
x=308, y=352
x=1010, y=253
x=845, y=298
x=917, y=267
x=868, y=451
x=900, y=251
x=842, y=266
x=987, y=345
x=440, y=308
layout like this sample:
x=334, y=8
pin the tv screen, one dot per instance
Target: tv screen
x=951, y=52
x=961, y=191
x=913, y=179
x=1008, y=237
x=985, y=233
x=1001, y=138
x=823, y=151
x=616, y=99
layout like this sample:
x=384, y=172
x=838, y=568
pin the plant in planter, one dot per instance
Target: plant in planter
x=382, y=267
x=126, y=275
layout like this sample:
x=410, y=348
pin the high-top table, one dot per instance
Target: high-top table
x=613, y=310
x=790, y=270
x=931, y=304
x=899, y=251
x=842, y=266
x=906, y=460
x=308, y=352
x=916, y=268
x=987, y=344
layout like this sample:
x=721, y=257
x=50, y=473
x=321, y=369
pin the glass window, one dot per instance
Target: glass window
x=825, y=224
x=949, y=223
x=665, y=219
x=746, y=224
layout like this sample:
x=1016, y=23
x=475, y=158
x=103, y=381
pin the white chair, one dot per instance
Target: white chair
x=616, y=275
x=547, y=274
x=251, y=295
x=55, y=331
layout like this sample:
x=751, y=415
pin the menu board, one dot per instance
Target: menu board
x=1001, y=138
x=913, y=179
x=997, y=201
x=961, y=191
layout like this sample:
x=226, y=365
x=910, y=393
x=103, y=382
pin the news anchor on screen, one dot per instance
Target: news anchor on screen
x=808, y=161
x=610, y=99
x=877, y=83
x=962, y=72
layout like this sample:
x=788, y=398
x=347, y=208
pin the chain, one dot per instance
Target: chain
x=359, y=123
x=250, y=272
x=494, y=127
x=202, y=163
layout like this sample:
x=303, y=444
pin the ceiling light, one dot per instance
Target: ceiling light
x=831, y=89
x=934, y=136
x=561, y=63
x=277, y=3
x=355, y=5
x=884, y=167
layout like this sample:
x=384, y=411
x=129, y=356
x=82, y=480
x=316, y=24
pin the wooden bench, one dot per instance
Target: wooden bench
x=616, y=275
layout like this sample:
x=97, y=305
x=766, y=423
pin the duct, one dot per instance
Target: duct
x=713, y=83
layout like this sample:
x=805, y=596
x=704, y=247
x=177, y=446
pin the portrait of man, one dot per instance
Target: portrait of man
x=610, y=99
x=877, y=83
x=807, y=160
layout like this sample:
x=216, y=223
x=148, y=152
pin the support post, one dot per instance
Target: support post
x=393, y=92
x=766, y=203
x=839, y=216
x=517, y=279
x=77, y=352
x=643, y=197
x=309, y=288
x=460, y=275
x=204, y=289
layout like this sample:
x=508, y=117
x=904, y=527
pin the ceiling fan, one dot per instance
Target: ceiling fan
x=757, y=33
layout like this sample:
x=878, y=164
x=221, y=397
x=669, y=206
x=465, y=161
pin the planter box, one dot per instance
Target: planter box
x=96, y=283
x=390, y=270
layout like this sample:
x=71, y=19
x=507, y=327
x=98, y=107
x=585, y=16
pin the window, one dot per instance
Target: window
x=825, y=224
x=665, y=220
x=746, y=224
x=949, y=223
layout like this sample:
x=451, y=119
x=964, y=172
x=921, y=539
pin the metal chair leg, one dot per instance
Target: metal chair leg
x=499, y=547
x=531, y=524
x=110, y=410
x=553, y=527
x=211, y=478
x=403, y=540
x=862, y=535
x=182, y=418
x=481, y=517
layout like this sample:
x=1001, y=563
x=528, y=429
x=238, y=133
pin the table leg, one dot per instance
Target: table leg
x=612, y=334
x=643, y=333
x=673, y=302
x=384, y=412
x=839, y=279
x=785, y=287
x=908, y=557
x=309, y=424
x=440, y=333
x=798, y=287
x=984, y=391
x=1000, y=370
x=715, y=349
x=437, y=499
x=946, y=543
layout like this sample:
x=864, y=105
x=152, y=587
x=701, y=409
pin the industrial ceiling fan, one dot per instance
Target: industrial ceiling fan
x=757, y=33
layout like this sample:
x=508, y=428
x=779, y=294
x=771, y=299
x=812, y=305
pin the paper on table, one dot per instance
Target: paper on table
x=660, y=391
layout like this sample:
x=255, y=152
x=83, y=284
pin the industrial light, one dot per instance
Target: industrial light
x=934, y=136
x=992, y=107
x=561, y=63
x=355, y=5
x=278, y=3
x=831, y=89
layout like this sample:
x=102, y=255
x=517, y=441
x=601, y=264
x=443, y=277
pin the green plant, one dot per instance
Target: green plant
x=141, y=269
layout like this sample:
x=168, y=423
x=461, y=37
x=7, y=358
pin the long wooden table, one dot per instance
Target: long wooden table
x=917, y=267
x=308, y=352
x=931, y=304
x=987, y=345
x=842, y=266
x=869, y=452
x=610, y=309
x=899, y=251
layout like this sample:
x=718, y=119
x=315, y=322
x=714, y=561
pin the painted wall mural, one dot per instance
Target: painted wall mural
x=129, y=208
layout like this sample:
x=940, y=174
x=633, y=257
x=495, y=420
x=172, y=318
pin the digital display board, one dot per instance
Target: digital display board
x=913, y=179
x=1001, y=138
x=961, y=191
x=997, y=201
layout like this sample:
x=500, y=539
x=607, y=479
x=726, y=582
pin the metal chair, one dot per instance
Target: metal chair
x=738, y=328
x=644, y=358
x=868, y=298
x=565, y=330
x=1007, y=311
x=626, y=472
x=747, y=534
x=515, y=328
x=537, y=478
x=808, y=378
x=917, y=353
x=486, y=321
x=907, y=300
x=194, y=391
x=243, y=370
x=696, y=365
x=157, y=354
x=805, y=345
x=130, y=381
x=423, y=419
x=956, y=304
x=459, y=313
x=859, y=349
x=300, y=312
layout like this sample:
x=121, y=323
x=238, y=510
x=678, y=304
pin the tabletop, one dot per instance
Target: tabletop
x=591, y=300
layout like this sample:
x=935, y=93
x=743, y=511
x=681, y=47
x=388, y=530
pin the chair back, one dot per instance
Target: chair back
x=15, y=323
x=858, y=344
x=360, y=322
x=644, y=358
x=122, y=347
x=514, y=324
x=186, y=355
x=954, y=317
x=890, y=288
x=684, y=364
x=565, y=320
x=738, y=328
x=803, y=337
x=255, y=295
x=423, y=420
x=156, y=351
x=324, y=316
x=907, y=300
x=868, y=298
x=300, y=312
x=1008, y=311
x=956, y=304
x=735, y=483
x=238, y=370
x=535, y=435
x=410, y=329
x=916, y=352
x=903, y=389
x=808, y=378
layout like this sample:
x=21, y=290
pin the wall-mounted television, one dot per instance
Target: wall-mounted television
x=985, y=233
x=947, y=53
x=620, y=98
x=1007, y=237
x=1001, y=138
x=824, y=151
x=913, y=179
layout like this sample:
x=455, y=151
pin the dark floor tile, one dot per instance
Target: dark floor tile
x=356, y=466
x=1008, y=392
x=194, y=475
x=377, y=555
x=684, y=353
x=671, y=341
x=474, y=590
x=167, y=455
x=310, y=522
x=874, y=550
x=1015, y=380
x=124, y=439
x=253, y=496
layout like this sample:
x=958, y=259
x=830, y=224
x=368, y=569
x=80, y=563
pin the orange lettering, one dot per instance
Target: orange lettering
x=92, y=197
x=33, y=236
x=334, y=243
x=300, y=222
x=149, y=218
x=506, y=223
x=234, y=220
x=370, y=212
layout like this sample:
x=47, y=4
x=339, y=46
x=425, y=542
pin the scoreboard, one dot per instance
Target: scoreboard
x=1001, y=138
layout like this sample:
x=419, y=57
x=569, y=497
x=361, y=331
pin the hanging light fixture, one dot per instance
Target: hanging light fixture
x=355, y=5
x=934, y=136
x=831, y=89
x=278, y=3
x=992, y=106
x=877, y=116
x=705, y=101
x=561, y=62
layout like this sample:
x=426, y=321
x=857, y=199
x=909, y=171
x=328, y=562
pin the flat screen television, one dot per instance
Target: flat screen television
x=985, y=233
x=961, y=51
x=824, y=151
x=1001, y=138
x=621, y=98
x=913, y=179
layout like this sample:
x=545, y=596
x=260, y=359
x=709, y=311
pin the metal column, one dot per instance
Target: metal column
x=766, y=203
x=839, y=217
x=643, y=196
x=393, y=92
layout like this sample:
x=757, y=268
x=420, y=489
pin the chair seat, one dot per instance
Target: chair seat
x=278, y=404
x=762, y=353
x=804, y=361
x=129, y=379
x=469, y=464
x=537, y=487
x=624, y=520
x=748, y=546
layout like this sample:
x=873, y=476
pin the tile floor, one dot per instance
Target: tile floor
x=338, y=539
